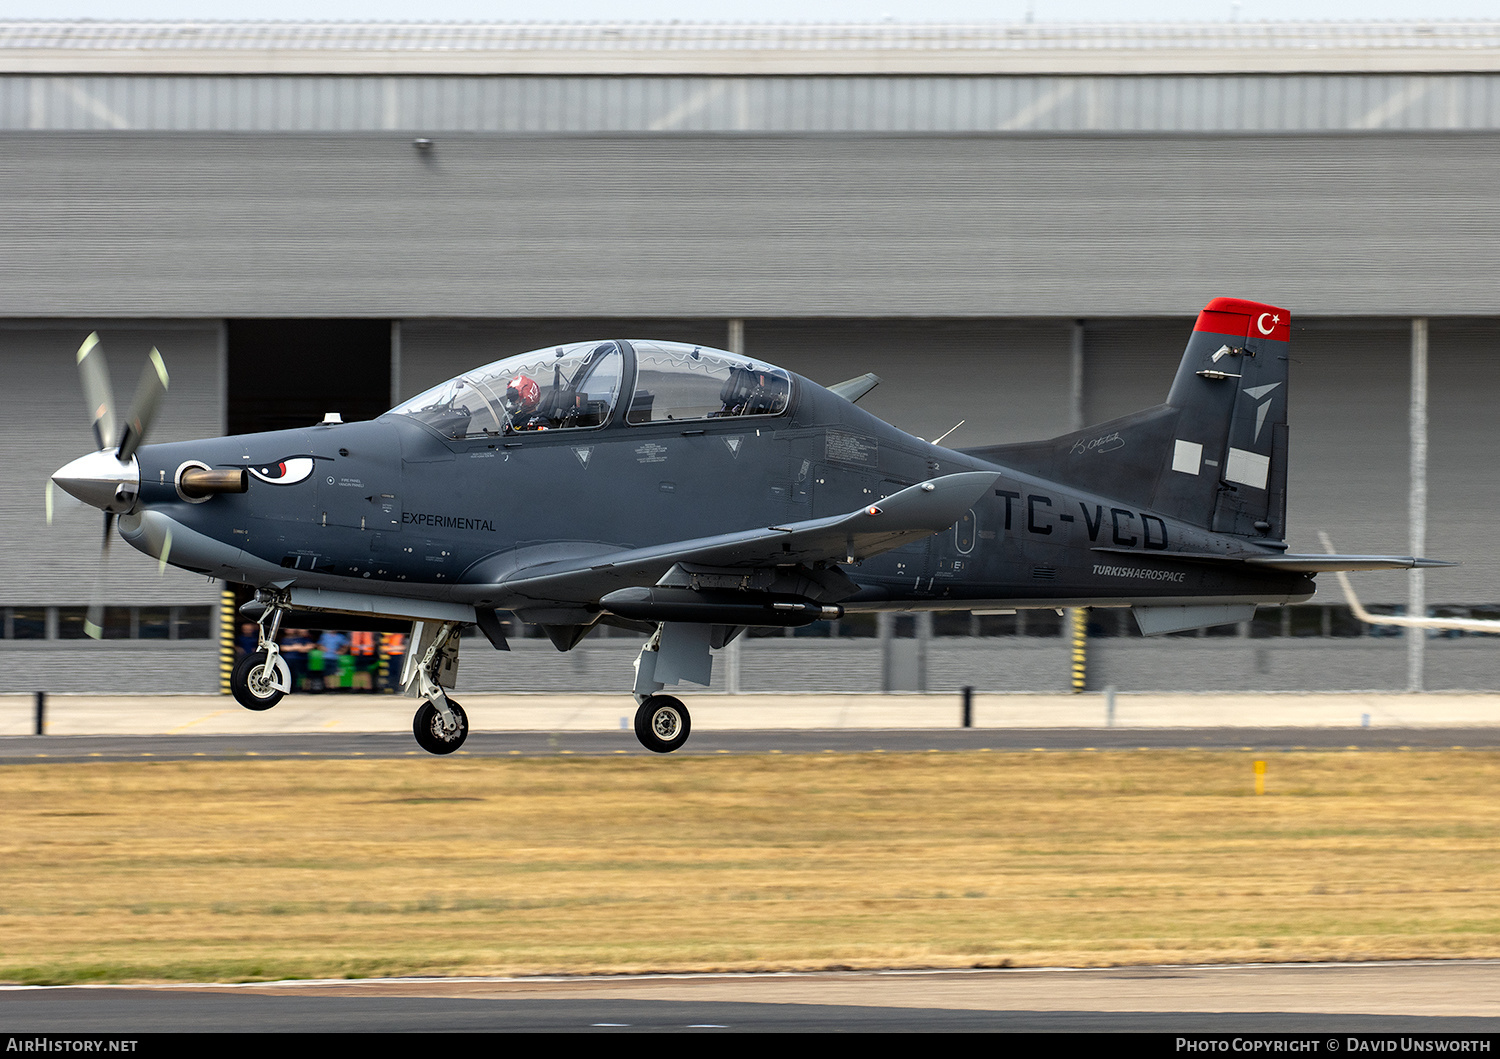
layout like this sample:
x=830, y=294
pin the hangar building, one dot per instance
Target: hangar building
x=1012, y=224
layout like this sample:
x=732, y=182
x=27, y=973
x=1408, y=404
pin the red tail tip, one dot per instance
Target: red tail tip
x=1242, y=319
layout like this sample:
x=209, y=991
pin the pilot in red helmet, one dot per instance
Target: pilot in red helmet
x=522, y=396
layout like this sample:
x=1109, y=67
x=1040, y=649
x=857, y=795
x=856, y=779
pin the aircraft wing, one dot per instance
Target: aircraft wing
x=915, y=512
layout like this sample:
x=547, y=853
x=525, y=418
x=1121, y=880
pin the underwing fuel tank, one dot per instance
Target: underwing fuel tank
x=715, y=608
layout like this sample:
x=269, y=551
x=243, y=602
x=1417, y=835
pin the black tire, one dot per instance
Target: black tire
x=662, y=724
x=427, y=726
x=250, y=685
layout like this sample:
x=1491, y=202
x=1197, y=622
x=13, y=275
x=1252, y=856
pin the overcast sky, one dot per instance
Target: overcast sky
x=756, y=10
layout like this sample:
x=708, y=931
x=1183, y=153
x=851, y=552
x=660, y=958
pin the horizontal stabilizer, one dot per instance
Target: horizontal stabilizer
x=1316, y=564
x=911, y=514
x=1482, y=625
x=1293, y=563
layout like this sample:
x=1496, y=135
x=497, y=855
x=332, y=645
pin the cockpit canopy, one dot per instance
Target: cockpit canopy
x=577, y=387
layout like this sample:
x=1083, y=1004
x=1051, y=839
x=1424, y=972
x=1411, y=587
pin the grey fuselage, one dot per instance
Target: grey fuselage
x=393, y=507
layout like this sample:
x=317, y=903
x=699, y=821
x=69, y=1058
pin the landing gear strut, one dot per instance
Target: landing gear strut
x=662, y=723
x=441, y=726
x=263, y=677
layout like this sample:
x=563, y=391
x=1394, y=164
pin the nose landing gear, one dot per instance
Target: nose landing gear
x=263, y=677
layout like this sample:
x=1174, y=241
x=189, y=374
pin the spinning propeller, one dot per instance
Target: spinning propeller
x=110, y=479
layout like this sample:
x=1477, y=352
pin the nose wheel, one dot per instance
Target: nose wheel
x=433, y=732
x=258, y=680
x=662, y=724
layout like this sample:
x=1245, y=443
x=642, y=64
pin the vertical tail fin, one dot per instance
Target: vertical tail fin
x=1227, y=467
x=1215, y=454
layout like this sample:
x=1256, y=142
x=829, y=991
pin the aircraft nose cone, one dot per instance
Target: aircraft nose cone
x=101, y=480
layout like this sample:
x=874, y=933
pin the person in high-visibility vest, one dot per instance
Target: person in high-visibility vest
x=362, y=647
x=393, y=655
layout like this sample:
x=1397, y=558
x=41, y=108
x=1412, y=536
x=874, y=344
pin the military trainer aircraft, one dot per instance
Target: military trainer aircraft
x=692, y=493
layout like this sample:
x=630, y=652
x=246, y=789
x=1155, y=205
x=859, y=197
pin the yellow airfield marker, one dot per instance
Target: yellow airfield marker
x=1260, y=777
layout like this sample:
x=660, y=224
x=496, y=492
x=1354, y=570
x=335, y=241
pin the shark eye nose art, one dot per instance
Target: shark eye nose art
x=289, y=471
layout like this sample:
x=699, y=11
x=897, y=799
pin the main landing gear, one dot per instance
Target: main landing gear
x=441, y=726
x=263, y=677
x=662, y=723
x=672, y=654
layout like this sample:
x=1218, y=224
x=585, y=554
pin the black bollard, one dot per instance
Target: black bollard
x=968, y=706
x=41, y=711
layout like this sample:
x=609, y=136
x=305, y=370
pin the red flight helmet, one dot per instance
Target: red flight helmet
x=522, y=395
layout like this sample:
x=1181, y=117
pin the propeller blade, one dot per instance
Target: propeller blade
x=166, y=550
x=50, y=487
x=93, y=622
x=148, y=394
x=97, y=392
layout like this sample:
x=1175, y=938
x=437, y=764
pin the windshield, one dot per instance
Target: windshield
x=559, y=388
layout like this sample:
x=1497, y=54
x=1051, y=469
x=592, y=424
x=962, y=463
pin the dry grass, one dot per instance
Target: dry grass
x=268, y=869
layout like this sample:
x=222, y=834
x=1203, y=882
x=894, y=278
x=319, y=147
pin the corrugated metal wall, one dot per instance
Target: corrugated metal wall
x=245, y=225
x=825, y=104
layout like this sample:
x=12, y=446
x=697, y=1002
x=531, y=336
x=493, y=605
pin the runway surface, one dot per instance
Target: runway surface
x=1425, y=997
x=29, y=749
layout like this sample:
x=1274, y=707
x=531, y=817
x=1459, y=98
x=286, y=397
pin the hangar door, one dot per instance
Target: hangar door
x=288, y=373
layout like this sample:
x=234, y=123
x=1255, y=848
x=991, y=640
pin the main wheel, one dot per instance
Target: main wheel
x=251, y=681
x=662, y=724
x=427, y=726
